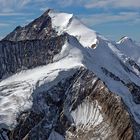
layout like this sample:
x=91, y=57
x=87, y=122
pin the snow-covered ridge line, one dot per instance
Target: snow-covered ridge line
x=64, y=22
x=130, y=48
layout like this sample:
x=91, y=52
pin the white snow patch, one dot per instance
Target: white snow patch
x=63, y=22
x=87, y=114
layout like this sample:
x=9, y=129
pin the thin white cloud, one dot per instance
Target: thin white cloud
x=66, y=3
x=97, y=19
x=44, y=9
x=113, y=4
x=97, y=3
x=13, y=14
x=12, y=5
x=4, y=24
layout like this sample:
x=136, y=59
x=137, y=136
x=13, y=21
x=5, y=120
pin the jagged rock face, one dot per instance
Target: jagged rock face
x=134, y=65
x=77, y=108
x=41, y=28
x=17, y=56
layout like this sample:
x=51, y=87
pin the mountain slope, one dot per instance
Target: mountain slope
x=78, y=86
x=63, y=22
x=40, y=28
x=130, y=48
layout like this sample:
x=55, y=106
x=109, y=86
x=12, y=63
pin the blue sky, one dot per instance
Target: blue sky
x=112, y=18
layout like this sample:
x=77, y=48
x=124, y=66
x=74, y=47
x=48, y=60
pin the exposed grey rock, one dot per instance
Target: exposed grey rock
x=17, y=56
x=40, y=28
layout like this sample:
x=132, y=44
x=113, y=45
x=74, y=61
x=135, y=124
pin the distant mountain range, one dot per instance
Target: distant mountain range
x=60, y=80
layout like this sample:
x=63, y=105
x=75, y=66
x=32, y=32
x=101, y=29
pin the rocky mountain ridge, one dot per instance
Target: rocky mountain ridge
x=62, y=80
x=27, y=54
x=40, y=28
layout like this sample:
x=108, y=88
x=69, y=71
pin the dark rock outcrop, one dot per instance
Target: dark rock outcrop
x=40, y=28
x=17, y=56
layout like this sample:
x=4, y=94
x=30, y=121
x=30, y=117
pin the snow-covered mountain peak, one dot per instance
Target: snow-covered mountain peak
x=64, y=22
x=48, y=11
x=60, y=21
x=124, y=40
x=74, y=79
x=130, y=48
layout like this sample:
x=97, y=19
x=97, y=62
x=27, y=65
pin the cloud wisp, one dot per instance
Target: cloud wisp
x=12, y=5
x=113, y=4
x=4, y=14
x=109, y=17
x=4, y=24
x=97, y=3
